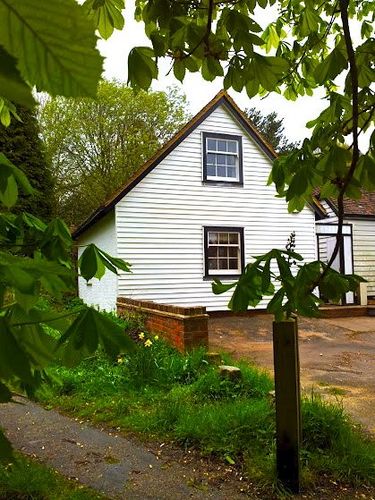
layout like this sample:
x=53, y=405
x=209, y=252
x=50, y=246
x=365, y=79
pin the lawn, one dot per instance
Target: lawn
x=26, y=479
x=159, y=392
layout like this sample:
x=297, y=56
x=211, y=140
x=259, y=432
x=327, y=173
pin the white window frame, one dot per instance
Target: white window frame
x=238, y=180
x=239, y=245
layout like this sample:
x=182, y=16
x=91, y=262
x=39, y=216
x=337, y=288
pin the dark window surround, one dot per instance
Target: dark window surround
x=237, y=138
x=224, y=229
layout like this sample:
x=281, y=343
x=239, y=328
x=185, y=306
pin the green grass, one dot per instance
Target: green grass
x=28, y=480
x=160, y=392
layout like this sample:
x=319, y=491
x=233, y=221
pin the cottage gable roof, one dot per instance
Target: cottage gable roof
x=221, y=99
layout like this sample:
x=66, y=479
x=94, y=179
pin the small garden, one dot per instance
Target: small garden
x=158, y=392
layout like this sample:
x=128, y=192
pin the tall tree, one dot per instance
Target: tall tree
x=272, y=128
x=21, y=143
x=95, y=145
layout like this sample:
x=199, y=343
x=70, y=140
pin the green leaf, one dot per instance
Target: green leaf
x=115, y=261
x=334, y=285
x=91, y=264
x=33, y=222
x=57, y=242
x=13, y=360
x=6, y=451
x=9, y=193
x=179, y=70
x=211, y=68
x=39, y=346
x=12, y=86
x=268, y=70
x=218, y=287
x=54, y=45
x=275, y=304
x=142, y=68
x=88, y=330
x=309, y=22
x=331, y=66
x=5, y=394
x=106, y=15
x=10, y=176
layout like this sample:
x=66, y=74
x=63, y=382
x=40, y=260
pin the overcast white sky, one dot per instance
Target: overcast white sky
x=198, y=91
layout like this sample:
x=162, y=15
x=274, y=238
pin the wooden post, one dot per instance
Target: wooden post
x=287, y=398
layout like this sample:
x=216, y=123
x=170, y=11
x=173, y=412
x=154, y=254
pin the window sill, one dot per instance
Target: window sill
x=221, y=277
x=223, y=183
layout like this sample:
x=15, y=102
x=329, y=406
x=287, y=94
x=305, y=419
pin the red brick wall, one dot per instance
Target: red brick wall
x=184, y=327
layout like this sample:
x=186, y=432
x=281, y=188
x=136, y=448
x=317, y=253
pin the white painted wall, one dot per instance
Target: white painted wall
x=330, y=213
x=364, y=250
x=160, y=222
x=100, y=293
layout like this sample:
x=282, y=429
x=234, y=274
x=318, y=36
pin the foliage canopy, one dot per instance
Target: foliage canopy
x=21, y=144
x=272, y=129
x=95, y=145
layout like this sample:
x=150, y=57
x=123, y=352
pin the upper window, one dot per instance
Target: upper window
x=222, y=158
x=224, y=252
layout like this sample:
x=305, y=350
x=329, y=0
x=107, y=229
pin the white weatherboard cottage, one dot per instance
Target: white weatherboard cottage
x=199, y=209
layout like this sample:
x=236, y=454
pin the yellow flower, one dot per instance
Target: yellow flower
x=148, y=343
x=120, y=360
x=141, y=335
x=156, y=337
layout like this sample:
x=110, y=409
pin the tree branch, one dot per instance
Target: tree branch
x=353, y=72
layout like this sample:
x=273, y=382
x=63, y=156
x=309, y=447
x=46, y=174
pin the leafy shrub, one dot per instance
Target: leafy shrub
x=157, y=363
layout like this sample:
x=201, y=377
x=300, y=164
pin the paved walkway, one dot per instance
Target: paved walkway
x=126, y=469
x=337, y=355
x=111, y=464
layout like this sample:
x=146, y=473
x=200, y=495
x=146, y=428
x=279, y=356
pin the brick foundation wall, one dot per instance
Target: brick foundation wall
x=184, y=327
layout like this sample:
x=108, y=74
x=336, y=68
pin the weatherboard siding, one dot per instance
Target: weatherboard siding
x=329, y=211
x=100, y=293
x=364, y=250
x=160, y=221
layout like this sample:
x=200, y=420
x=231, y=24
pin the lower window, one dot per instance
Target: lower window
x=224, y=251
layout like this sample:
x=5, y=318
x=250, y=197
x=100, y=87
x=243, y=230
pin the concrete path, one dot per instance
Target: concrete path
x=125, y=469
x=337, y=355
x=111, y=464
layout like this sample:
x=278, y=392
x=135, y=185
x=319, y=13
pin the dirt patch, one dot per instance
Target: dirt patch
x=337, y=352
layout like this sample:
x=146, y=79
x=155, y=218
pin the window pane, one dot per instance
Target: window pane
x=222, y=251
x=221, y=160
x=233, y=251
x=213, y=238
x=221, y=172
x=212, y=251
x=223, y=263
x=231, y=160
x=232, y=146
x=212, y=264
x=233, y=238
x=211, y=144
x=223, y=238
x=211, y=171
x=222, y=145
x=211, y=158
x=233, y=264
x=232, y=172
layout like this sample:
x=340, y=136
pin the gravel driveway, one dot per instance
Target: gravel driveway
x=337, y=355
